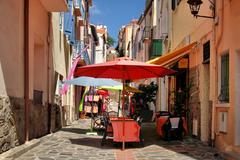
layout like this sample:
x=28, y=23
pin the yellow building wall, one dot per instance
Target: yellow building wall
x=184, y=24
x=187, y=29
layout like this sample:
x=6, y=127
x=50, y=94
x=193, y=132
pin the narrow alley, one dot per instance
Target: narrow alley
x=72, y=143
x=154, y=79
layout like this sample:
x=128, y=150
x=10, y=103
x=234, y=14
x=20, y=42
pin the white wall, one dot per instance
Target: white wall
x=58, y=46
x=100, y=57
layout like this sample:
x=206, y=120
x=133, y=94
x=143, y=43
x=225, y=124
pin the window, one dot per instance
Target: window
x=37, y=97
x=206, y=52
x=224, y=90
x=155, y=48
x=139, y=46
x=175, y=3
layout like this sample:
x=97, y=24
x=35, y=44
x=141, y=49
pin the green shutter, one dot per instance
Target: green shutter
x=156, y=48
x=224, y=95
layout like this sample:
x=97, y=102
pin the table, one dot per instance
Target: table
x=159, y=123
x=162, y=120
x=131, y=130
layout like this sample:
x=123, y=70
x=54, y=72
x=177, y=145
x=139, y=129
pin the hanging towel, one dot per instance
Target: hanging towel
x=83, y=98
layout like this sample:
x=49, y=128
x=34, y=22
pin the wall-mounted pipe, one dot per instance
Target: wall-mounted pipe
x=26, y=68
x=217, y=41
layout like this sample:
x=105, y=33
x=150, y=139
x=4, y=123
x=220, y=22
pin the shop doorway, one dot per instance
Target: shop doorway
x=178, y=90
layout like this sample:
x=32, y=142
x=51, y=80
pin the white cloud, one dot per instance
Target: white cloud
x=94, y=10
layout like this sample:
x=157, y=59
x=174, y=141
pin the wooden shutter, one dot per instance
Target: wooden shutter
x=224, y=95
x=173, y=5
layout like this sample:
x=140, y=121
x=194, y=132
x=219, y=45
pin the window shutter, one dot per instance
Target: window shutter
x=156, y=48
x=206, y=52
x=173, y=5
x=224, y=94
x=68, y=19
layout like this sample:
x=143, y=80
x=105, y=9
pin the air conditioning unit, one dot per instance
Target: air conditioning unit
x=222, y=121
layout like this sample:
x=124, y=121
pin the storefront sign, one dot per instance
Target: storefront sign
x=183, y=63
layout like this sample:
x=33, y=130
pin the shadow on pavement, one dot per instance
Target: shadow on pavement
x=96, y=142
x=189, y=147
x=75, y=130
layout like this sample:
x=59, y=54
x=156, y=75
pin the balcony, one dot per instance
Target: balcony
x=147, y=34
x=90, y=2
x=55, y=5
x=77, y=8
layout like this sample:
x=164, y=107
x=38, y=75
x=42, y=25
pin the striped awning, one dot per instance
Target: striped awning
x=172, y=56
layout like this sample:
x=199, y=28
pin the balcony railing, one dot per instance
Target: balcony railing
x=147, y=34
x=77, y=8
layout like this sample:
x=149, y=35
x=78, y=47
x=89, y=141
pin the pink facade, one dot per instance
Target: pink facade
x=227, y=42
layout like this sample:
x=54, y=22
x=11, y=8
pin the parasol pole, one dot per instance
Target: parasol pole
x=123, y=113
x=119, y=101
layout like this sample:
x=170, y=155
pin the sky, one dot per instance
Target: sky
x=115, y=13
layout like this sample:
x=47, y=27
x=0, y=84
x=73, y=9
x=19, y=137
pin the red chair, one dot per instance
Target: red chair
x=131, y=131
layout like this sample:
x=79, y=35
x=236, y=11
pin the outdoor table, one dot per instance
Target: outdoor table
x=185, y=126
x=131, y=130
x=120, y=118
x=159, y=123
x=163, y=119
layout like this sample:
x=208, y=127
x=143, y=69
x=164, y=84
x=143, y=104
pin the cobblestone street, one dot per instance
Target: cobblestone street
x=72, y=143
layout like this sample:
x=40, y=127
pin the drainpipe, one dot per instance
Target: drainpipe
x=48, y=72
x=26, y=68
x=217, y=43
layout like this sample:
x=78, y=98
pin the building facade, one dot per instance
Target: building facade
x=203, y=51
x=26, y=106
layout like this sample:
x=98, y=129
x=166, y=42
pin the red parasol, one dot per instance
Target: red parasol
x=124, y=69
x=103, y=92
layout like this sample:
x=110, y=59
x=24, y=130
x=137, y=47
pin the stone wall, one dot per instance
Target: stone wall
x=199, y=102
x=42, y=120
x=194, y=101
x=17, y=107
x=8, y=132
x=38, y=121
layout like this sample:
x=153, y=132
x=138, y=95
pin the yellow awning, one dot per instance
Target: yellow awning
x=172, y=56
x=127, y=88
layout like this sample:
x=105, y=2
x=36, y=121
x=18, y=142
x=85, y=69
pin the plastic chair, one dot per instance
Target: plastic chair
x=163, y=113
x=108, y=130
x=112, y=114
x=174, y=128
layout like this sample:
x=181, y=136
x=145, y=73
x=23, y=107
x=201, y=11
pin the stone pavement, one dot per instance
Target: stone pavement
x=72, y=143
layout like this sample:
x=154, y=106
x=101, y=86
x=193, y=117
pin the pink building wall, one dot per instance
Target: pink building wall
x=227, y=40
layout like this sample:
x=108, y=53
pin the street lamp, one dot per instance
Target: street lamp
x=195, y=6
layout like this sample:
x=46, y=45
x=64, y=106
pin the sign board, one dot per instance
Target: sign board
x=183, y=63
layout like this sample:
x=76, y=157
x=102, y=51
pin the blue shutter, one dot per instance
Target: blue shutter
x=72, y=36
x=68, y=19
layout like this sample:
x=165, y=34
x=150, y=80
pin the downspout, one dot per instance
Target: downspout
x=26, y=68
x=48, y=72
x=218, y=40
x=87, y=20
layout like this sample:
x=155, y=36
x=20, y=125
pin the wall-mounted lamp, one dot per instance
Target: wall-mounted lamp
x=195, y=6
